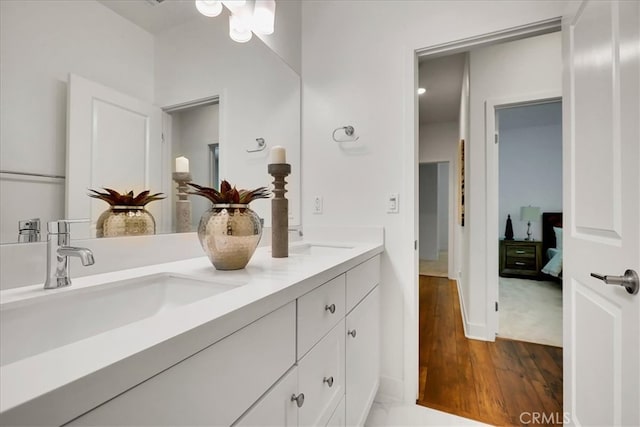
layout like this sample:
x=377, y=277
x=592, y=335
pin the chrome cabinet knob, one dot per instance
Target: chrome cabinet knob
x=299, y=399
x=328, y=381
x=352, y=333
x=330, y=308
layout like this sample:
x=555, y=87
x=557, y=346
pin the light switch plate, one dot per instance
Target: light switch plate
x=393, y=203
x=317, y=205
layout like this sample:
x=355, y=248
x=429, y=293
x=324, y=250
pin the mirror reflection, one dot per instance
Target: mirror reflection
x=108, y=94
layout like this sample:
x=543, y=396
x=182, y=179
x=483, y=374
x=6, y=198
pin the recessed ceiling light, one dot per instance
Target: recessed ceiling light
x=421, y=90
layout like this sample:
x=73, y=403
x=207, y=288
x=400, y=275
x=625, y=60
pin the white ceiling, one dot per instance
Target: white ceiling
x=442, y=78
x=154, y=17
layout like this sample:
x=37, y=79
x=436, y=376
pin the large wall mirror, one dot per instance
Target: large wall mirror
x=79, y=78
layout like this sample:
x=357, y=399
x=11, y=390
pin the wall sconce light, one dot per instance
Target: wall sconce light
x=246, y=18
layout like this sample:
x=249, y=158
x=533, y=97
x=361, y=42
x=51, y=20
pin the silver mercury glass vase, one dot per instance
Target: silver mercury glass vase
x=229, y=235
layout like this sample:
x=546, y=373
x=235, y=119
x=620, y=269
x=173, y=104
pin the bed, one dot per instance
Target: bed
x=552, y=244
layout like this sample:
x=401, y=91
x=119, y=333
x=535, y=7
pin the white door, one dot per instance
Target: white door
x=602, y=207
x=114, y=141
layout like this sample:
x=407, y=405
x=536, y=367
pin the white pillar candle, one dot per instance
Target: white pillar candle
x=278, y=155
x=182, y=164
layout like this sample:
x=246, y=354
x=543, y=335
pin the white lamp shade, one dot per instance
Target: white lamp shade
x=264, y=16
x=209, y=8
x=529, y=213
x=239, y=29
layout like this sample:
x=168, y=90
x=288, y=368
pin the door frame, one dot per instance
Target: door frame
x=411, y=161
x=492, y=166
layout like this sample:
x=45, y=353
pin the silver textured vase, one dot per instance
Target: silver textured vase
x=125, y=221
x=229, y=235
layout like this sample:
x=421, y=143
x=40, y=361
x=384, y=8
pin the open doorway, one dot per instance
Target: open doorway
x=463, y=368
x=192, y=131
x=530, y=208
x=434, y=219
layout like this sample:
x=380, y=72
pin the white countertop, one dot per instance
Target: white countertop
x=77, y=377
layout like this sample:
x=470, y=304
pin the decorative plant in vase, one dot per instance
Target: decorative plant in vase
x=126, y=215
x=229, y=232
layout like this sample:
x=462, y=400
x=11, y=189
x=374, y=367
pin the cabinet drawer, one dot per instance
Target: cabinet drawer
x=361, y=279
x=275, y=408
x=318, y=312
x=212, y=387
x=321, y=378
x=520, y=263
x=521, y=251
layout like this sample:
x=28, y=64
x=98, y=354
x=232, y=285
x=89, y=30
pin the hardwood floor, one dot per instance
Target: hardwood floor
x=501, y=383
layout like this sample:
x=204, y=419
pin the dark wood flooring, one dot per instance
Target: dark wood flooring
x=492, y=382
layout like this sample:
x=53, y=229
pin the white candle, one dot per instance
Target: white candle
x=182, y=164
x=278, y=155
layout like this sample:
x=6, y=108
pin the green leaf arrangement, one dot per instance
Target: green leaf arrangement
x=228, y=194
x=115, y=198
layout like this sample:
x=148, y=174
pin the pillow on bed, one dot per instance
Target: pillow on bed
x=558, y=232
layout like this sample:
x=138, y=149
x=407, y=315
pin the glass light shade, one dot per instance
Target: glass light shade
x=239, y=29
x=264, y=16
x=209, y=8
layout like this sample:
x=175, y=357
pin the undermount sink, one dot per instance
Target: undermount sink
x=39, y=324
x=317, y=250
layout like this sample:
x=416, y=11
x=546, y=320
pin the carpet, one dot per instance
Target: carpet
x=438, y=268
x=531, y=310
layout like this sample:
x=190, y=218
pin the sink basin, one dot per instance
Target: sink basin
x=39, y=324
x=317, y=250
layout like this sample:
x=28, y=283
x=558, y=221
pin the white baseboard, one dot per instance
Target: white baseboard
x=475, y=331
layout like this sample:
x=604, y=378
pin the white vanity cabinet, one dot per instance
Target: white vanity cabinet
x=212, y=387
x=313, y=362
x=336, y=372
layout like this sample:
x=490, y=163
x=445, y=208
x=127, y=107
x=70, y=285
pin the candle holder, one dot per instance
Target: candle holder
x=279, y=210
x=183, y=204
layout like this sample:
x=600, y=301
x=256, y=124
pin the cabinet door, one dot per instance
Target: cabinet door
x=275, y=408
x=321, y=378
x=362, y=357
x=360, y=280
x=338, y=417
x=214, y=386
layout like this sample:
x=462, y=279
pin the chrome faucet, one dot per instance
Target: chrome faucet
x=59, y=251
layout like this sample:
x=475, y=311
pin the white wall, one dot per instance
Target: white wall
x=428, y=211
x=357, y=54
x=198, y=60
x=443, y=206
x=286, y=39
x=530, y=164
x=41, y=42
x=529, y=66
x=192, y=132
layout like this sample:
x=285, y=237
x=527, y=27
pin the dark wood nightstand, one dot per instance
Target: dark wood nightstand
x=520, y=258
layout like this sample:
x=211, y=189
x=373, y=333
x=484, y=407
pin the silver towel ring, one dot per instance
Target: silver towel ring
x=261, y=145
x=348, y=130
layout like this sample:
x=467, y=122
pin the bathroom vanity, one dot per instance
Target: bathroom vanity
x=290, y=341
